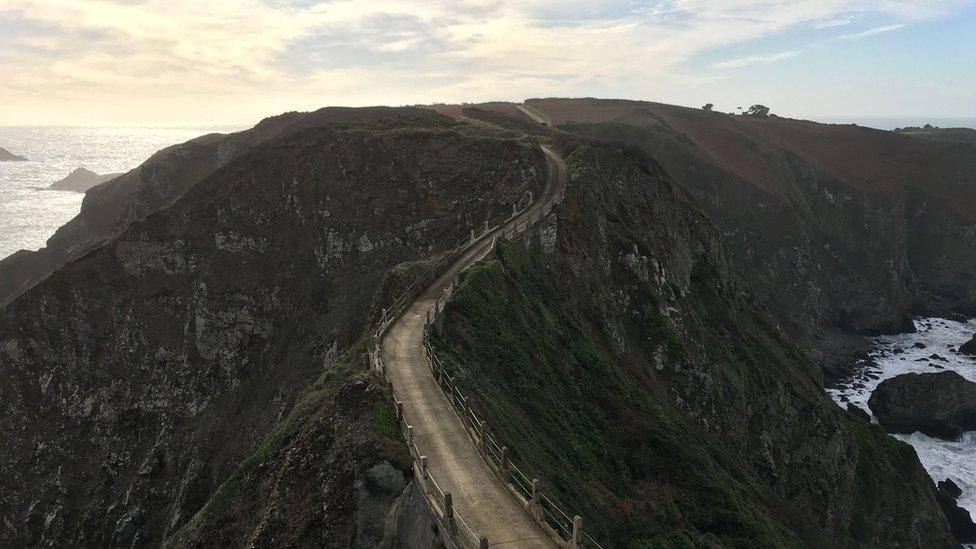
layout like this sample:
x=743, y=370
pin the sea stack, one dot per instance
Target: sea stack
x=7, y=156
x=80, y=180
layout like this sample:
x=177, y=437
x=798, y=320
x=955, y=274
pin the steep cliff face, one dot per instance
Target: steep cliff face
x=109, y=209
x=617, y=353
x=837, y=226
x=160, y=374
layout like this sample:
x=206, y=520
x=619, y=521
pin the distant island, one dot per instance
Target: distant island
x=80, y=180
x=7, y=156
x=935, y=133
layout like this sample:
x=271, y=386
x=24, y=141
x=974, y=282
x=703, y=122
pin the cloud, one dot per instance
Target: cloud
x=243, y=59
x=870, y=32
x=755, y=59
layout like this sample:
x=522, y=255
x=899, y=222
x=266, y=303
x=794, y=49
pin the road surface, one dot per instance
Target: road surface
x=453, y=460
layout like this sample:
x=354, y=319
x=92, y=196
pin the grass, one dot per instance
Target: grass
x=635, y=468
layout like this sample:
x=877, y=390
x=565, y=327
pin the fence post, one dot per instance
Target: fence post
x=449, y=514
x=505, y=458
x=484, y=441
x=486, y=226
x=410, y=438
x=577, y=532
x=423, y=468
x=472, y=235
x=514, y=208
x=535, y=509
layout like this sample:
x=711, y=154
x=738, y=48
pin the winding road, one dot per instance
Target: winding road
x=479, y=498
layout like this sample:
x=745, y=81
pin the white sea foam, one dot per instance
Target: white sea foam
x=899, y=354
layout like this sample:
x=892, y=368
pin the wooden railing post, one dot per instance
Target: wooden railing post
x=449, y=514
x=577, y=539
x=535, y=508
x=504, y=466
x=423, y=468
x=484, y=441
x=399, y=412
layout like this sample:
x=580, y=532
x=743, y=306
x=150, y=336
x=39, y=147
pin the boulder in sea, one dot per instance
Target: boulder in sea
x=80, y=180
x=941, y=404
x=918, y=345
x=969, y=348
x=7, y=156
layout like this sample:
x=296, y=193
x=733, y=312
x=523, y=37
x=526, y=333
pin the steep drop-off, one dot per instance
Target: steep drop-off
x=839, y=228
x=618, y=354
x=163, y=385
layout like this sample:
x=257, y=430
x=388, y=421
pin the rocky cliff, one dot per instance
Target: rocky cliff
x=621, y=358
x=163, y=384
x=839, y=228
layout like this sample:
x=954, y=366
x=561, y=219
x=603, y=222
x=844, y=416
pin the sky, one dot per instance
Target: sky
x=238, y=61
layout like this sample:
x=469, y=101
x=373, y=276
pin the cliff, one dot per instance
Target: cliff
x=183, y=363
x=619, y=356
x=839, y=228
x=175, y=381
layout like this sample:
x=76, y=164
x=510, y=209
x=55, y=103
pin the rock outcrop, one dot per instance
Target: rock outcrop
x=80, y=180
x=199, y=377
x=960, y=521
x=7, y=156
x=941, y=404
x=969, y=348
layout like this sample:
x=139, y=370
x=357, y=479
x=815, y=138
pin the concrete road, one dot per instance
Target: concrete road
x=453, y=460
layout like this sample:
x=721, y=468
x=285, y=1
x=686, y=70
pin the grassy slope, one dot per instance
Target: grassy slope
x=640, y=472
x=608, y=429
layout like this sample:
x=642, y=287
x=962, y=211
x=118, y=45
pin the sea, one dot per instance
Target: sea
x=29, y=212
x=905, y=353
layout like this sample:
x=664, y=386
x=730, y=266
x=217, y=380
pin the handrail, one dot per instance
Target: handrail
x=567, y=533
x=439, y=502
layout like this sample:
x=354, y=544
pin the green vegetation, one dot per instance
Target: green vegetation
x=609, y=446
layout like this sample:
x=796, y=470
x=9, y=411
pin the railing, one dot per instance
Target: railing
x=565, y=531
x=458, y=534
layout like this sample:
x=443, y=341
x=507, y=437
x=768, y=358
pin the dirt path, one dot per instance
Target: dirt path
x=479, y=497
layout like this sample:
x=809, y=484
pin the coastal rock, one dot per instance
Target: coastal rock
x=80, y=180
x=7, y=156
x=960, y=521
x=969, y=348
x=939, y=404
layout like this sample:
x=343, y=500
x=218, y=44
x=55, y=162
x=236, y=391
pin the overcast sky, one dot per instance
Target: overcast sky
x=237, y=61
